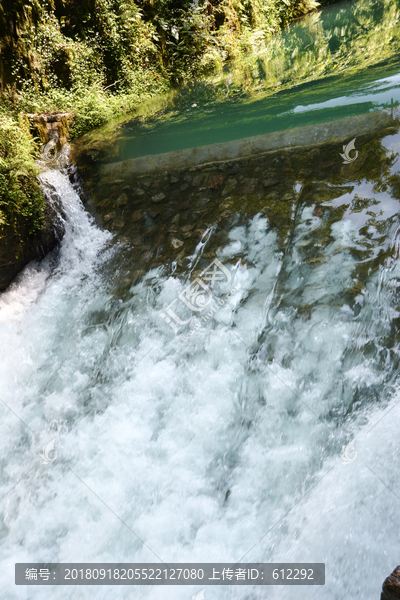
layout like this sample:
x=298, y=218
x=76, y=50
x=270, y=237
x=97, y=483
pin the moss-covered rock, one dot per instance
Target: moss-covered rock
x=29, y=224
x=20, y=246
x=53, y=130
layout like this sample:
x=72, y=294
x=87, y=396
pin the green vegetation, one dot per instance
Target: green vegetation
x=325, y=54
x=319, y=47
x=21, y=197
x=100, y=58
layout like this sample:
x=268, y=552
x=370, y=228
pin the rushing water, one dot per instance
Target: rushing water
x=224, y=443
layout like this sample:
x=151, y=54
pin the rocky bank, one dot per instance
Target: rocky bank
x=18, y=248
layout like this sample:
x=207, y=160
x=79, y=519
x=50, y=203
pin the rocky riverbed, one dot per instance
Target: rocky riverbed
x=162, y=215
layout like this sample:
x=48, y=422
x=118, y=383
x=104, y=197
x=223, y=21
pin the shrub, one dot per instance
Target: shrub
x=21, y=197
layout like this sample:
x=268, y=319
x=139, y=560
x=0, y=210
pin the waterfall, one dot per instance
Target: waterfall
x=210, y=447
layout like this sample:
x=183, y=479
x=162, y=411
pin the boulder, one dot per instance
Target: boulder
x=391, y=586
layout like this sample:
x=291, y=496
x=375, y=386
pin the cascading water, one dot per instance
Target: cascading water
x=201, y=447
x=229, y=440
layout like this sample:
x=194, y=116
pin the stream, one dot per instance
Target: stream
x=265, y=429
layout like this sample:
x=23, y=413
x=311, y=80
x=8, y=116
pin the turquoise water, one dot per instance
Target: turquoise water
x=307, y=104
x=322, y=69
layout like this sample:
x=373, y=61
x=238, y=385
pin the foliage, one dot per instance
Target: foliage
x=319, y=46
x=71, y=44
x=21, y=197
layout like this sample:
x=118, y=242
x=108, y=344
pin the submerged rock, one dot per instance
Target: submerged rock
x=229, y=186
x=176, y=243
x=187, y=228
x=104, y=203
x=122, y=200
x=216, y=180
x=119, y=224
x=249, y=185
x=197, y=179
x=158, y=197
x=136, y=215
x=270, y=182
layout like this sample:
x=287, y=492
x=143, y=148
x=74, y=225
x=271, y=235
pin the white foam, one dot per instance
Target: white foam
x=253, y=404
